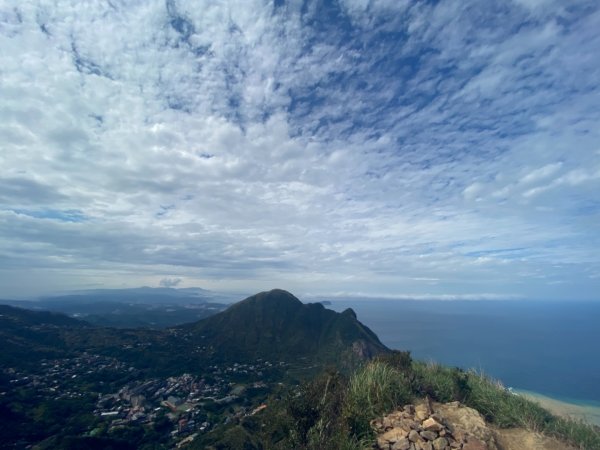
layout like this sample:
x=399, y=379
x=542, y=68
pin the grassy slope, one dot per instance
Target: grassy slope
x=26, y=336
x=333, y=411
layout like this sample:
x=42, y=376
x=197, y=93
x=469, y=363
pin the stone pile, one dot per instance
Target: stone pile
x=427, y=426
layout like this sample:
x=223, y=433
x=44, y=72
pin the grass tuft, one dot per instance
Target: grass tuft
x=373, y=390
x=503, y=408
x=444, y=384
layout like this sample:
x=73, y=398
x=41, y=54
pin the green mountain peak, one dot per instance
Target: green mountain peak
x=276, y=324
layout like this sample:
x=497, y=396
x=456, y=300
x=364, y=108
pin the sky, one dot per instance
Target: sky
x=392, y=149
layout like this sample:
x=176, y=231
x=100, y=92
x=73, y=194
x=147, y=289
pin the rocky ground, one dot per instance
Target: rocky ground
x=452, y=426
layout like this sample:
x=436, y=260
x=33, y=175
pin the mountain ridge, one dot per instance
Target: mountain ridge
x=272, y=325
x=276, y=322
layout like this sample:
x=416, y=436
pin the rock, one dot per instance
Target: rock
x=421, y=412
x=382, y=444
x=432, y=425
x=388, y=422
x=455, y=444
x=413, y=424
x=460, y=435
x=402, y=444
x=440, y=443
x=429, y=435
x=437, y=417
x=464, y=422
x=420, y=416
x=414, y=436
x=394, y=435
x=475, y=444
x=376, y=424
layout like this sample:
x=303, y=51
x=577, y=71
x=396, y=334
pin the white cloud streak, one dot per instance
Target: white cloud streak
x=371, y=148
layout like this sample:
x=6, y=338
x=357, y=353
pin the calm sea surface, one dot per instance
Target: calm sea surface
x=547, y=347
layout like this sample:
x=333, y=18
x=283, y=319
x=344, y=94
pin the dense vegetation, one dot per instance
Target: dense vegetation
x=334, y=411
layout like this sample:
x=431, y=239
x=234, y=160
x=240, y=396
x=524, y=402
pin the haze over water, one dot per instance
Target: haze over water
x=545, y=347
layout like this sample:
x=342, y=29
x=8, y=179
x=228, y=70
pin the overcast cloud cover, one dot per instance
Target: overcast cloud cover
x=386, y=148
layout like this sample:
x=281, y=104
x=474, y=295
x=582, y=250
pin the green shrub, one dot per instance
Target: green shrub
x=399, y=360
x=315, y=414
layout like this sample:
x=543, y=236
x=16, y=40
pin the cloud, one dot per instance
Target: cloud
x=368, y=146
x=170, y=282
x=541, y=173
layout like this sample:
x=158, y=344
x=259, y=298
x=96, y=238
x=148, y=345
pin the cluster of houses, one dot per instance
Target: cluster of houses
x=60, y=378
x=184, y=400
x=179, y=398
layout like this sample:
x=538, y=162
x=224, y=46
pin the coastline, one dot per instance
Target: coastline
x=579, y=411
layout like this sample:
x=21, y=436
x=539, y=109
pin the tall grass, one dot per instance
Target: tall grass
x=503, y=408
x=444, y=384
x=586, y=436
x=373, y=390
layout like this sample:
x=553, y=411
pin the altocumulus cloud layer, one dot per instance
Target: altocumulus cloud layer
x=425, y=149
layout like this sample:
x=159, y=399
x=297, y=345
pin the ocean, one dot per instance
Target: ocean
x=552, y=348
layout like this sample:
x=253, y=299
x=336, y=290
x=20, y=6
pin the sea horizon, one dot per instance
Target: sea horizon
x=541, y=347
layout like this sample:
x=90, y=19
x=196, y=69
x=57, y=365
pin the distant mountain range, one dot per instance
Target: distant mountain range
x=136, y=307
x=145, y=295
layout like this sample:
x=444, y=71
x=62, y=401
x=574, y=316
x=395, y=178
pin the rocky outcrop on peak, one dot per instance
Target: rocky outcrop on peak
x=452, y=426
x=434, y=426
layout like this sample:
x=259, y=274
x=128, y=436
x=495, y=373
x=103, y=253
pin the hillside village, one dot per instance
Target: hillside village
x=181, y=406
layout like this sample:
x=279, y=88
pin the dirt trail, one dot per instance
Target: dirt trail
x=521, y=439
